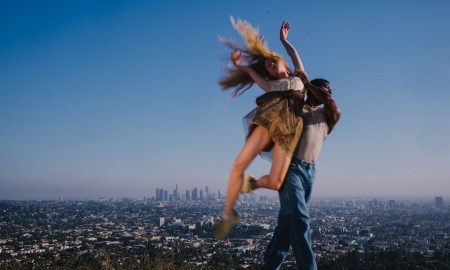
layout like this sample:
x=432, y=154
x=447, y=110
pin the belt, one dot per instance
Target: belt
x=297, y=161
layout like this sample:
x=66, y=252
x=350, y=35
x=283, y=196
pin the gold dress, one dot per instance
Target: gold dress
x=279, y=111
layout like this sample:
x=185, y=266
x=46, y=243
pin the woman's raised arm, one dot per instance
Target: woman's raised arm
x=291, y=51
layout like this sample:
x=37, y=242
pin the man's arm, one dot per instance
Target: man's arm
x=291, y=51
x=330, y=107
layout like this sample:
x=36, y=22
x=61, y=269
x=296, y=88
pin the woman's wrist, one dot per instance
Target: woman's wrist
x=243, y=68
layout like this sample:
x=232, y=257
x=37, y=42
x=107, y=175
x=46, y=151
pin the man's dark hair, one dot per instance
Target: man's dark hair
x=321, y=83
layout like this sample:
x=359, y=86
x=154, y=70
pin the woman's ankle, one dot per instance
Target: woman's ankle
x=253, y=184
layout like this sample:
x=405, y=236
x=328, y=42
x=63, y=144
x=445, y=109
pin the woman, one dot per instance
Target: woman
x=276, y=123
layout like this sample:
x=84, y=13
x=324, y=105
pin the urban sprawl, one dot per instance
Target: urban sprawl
x=167, y=221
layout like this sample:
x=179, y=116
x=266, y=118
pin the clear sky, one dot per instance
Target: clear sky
x=118, y=98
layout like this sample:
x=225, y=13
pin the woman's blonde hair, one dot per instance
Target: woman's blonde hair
x=255, y=52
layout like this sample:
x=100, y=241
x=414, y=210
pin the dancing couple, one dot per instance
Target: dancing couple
x=291, y=120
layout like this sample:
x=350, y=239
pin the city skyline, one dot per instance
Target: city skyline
x=36, y=232
x=206, y=193
x=121, y=98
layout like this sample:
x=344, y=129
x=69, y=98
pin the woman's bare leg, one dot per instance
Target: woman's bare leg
x=280, y=165
x=256, y=142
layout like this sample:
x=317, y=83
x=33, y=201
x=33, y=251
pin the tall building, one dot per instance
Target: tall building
x=201, y=194
x=176, y=194
x=194, y=194
x=166, y=195
x=188, y=198
x=391, y=204
x=439, y=202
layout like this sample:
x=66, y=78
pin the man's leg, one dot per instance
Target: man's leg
x=278, y=248
x=299, y=187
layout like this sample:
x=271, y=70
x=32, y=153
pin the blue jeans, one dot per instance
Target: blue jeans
x=293, y=219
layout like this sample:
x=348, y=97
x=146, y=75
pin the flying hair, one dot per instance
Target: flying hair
x=254, y=51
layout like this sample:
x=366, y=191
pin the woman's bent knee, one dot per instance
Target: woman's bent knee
x=276, y=183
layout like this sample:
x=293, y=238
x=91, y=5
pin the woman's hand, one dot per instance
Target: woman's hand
x=285, y=27
x=236, y=56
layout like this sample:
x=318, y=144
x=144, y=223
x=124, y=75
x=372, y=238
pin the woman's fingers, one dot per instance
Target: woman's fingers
x=236, y=56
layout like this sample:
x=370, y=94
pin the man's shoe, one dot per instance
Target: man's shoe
x=224, y=225
x=247, y=184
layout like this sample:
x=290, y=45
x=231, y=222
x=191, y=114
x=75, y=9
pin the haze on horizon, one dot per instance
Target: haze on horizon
x=117, y=99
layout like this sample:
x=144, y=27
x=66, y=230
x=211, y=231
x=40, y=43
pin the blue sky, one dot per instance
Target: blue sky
x=118, y=98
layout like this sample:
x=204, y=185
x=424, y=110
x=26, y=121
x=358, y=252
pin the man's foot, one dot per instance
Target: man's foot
x=224, y=225
x=248, y=184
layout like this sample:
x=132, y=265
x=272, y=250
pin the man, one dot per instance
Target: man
x=320, y=115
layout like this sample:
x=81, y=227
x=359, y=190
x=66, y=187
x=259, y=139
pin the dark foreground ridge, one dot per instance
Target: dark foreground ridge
x=393, y=260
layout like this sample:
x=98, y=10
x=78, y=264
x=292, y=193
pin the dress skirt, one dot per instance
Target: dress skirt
x=279, y=112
